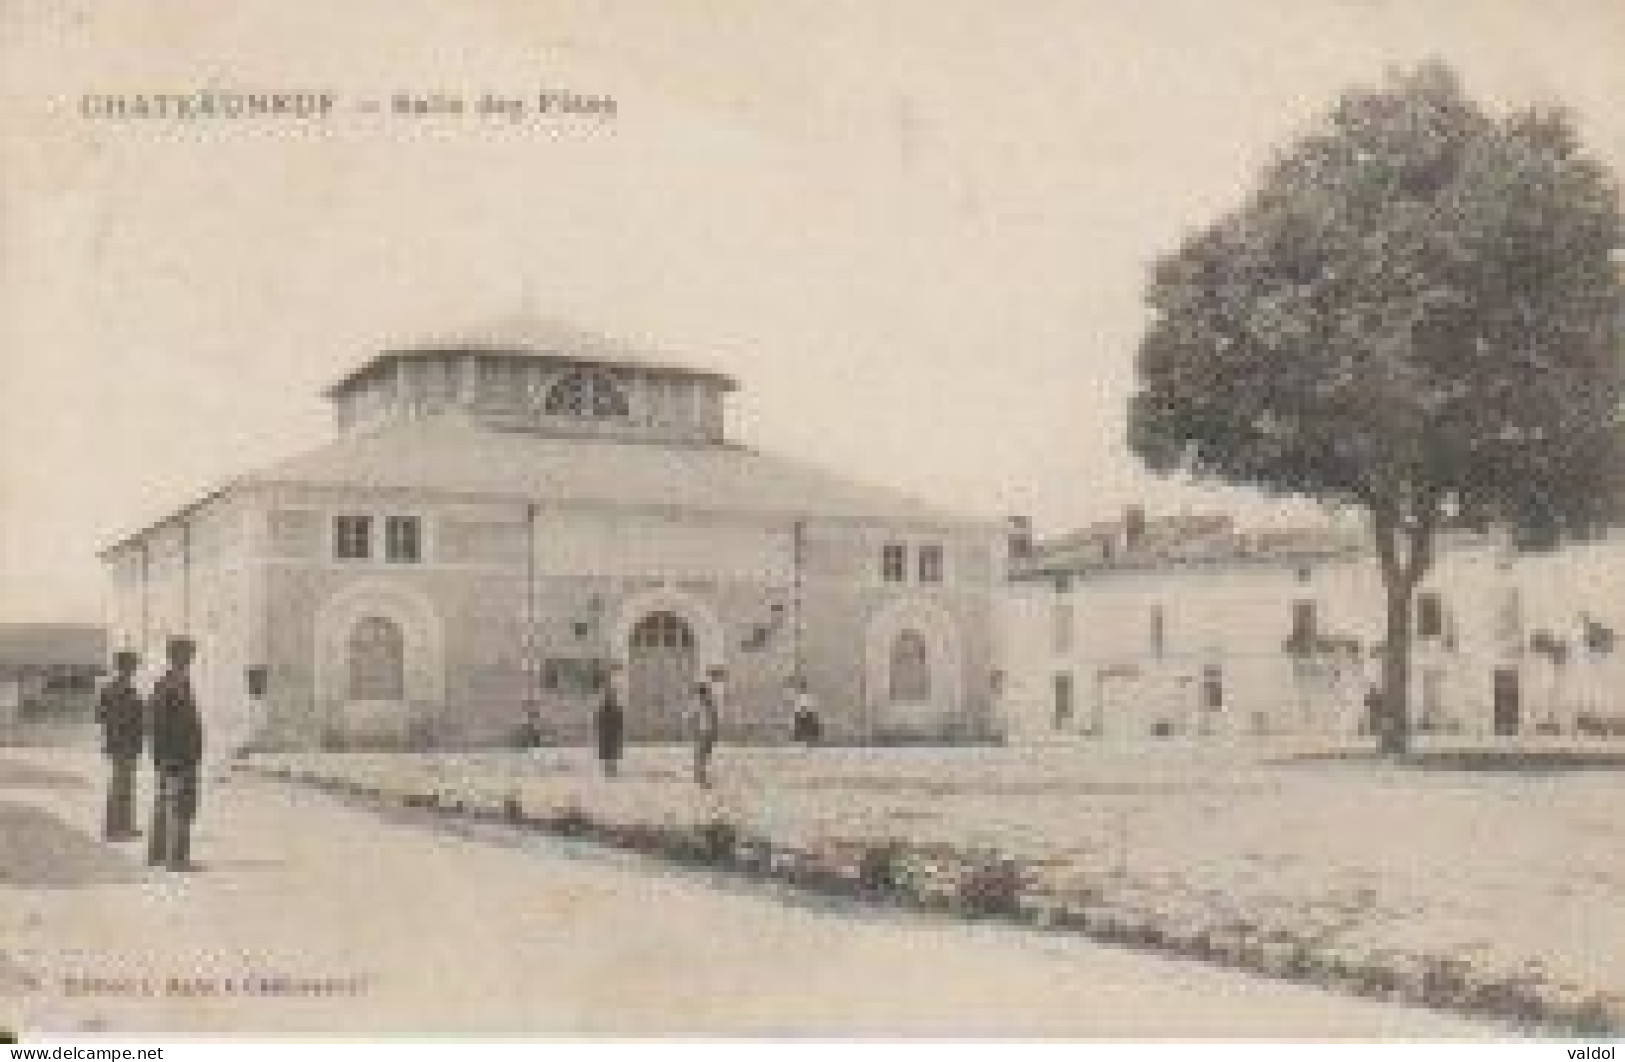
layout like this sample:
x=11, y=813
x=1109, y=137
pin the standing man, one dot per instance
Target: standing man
x=706, y=724
x=609, y=723
x=529, y=734
x=119, y=711
x=177, y=752
x=1376, y=714
x=805, y=726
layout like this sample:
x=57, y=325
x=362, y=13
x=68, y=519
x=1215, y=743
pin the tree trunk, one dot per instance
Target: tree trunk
x=1395, y=724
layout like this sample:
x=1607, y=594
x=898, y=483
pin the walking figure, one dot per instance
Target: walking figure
x=705, y=723
x=805, y=726
x=120, y=712
x=529, y=734
x=609, y=724
x=1376, y=716
x=177, y=754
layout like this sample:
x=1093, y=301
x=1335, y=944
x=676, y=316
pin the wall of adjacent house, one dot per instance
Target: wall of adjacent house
x=1559, y=592
x=1184, y=648
x=1236, y=616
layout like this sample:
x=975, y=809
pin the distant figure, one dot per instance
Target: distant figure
x=1374, y=714
x=177, y=753
x=529, y=734
x=120, y=712
x=705, y=722
x=609, y=725
x=805, y=726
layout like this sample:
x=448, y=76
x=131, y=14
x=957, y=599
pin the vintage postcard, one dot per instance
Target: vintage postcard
x=548, y=519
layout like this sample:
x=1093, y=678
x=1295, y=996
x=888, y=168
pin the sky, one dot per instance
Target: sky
x=917, y=231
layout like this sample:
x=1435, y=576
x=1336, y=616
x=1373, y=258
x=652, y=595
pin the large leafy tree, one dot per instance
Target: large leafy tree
x=1416, y=312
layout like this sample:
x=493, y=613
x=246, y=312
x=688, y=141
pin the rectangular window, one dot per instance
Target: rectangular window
x=894, y=562
x=1064, y=706
x=403, y=540
x=352, y=537
x=1061, y=623
x=1159, y=632
x=931, y=563
x=1213, y=687
x=1429, y=616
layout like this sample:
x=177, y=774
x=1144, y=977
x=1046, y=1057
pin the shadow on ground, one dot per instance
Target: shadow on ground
x=14, y=775
x=39, y=850
x=244, y=864
x=1507, y=761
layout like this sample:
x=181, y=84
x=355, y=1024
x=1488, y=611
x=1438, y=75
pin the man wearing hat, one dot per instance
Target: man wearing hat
x=609, y=721
x=177, y=752
x=119, y=711
x=705, y=722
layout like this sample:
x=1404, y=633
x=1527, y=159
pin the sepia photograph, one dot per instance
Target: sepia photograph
x=812, y=520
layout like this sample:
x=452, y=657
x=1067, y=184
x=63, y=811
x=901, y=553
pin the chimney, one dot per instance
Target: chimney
x=1133, y=528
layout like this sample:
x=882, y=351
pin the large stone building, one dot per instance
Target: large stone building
x=500, y=516
x=1188, y=625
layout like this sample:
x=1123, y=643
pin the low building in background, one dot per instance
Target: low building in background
x=1190, y=625
x=48, y=674
x=503, y=515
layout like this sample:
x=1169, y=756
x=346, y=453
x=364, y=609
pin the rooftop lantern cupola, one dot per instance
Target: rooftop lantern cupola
x=545, y=378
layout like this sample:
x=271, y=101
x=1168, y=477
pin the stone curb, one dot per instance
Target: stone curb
x=985, y=884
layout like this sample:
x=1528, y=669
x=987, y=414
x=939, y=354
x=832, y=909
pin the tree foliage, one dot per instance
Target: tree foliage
x=1416, y=312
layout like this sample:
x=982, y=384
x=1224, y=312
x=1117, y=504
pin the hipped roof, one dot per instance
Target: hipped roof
x=452, y=456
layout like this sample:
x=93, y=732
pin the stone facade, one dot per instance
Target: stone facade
x=1227, y=636
x=495, y=523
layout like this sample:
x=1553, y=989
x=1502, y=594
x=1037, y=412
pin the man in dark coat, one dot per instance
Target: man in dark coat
x=609, y=725
x=177, y=753
x=119, y=711
x=1376, y=715
x=705, y=724
x=805, y=726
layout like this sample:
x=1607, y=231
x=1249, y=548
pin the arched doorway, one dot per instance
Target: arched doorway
x=914, y=673
x=379, y=664
x=910, y=669
x=662, y=667
x=377, y=660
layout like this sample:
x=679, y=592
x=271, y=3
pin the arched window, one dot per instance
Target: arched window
x=377, y=660
x=910, y=668
x=586, y=394
x=662, y=630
